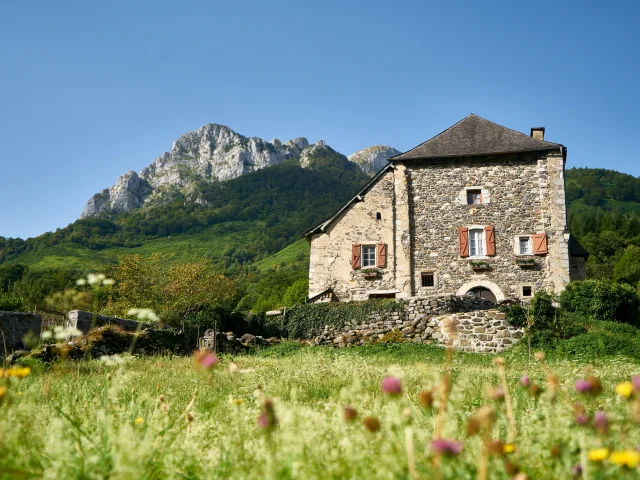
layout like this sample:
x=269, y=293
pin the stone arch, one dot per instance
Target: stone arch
x=482, y=283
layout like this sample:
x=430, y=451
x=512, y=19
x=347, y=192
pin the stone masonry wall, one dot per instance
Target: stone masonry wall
x=15, y=325
x=512, y=203
x=465, y=323
x=85, y=321
x=330, y=258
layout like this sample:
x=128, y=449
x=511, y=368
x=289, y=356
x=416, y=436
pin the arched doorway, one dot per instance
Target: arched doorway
x=484, y=293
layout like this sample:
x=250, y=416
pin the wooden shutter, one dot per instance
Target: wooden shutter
x=355, y=256
x=490, y=237
x=463, y=241
x=539, y=243
x=381, y=260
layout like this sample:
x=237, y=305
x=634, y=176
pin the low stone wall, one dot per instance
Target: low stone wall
x=466, y=324
x=85, y=321
x=15, y=325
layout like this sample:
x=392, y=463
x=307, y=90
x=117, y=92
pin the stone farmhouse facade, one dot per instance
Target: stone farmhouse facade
x=479, y=210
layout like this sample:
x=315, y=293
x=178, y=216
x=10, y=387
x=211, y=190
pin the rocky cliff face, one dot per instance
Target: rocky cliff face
x=372, y=159
x=213, y=152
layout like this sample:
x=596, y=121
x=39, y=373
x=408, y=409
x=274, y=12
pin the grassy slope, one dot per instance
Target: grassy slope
x=88, y=419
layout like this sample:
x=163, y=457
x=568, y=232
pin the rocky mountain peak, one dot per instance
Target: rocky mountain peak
x=372, y=159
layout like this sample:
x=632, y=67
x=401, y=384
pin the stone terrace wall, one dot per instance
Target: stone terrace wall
x=15, y=325
x=85, y=321
x=466, y=323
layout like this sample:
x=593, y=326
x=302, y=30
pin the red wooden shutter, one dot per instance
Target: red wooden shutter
x=355, y=256
x=490, y=237
x=539, y=243
x=381, y=261
x=463, y=241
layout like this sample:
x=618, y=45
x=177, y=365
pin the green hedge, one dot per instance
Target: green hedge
x=304, y=321
x=601, y=300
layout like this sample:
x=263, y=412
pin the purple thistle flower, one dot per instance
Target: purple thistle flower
x=636, y=383
x=577, y=470
x=601, y=422
x=582, y=386
x=446, y=447
x=391, y=386
x=525, y=381
x=581, y=419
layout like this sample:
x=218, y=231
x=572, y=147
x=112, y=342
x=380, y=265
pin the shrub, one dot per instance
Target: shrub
x=603, y=339
x=11, y=302
x=542, y=311
x=602, y=301
x=515, y=315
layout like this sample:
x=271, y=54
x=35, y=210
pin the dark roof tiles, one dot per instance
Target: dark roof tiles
x=475, y=135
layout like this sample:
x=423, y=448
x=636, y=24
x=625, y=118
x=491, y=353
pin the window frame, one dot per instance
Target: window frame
x=478, y=192
x=425, y=273
x=362, y=256
x=516, y=245
x=527, y=297
x=482, y=237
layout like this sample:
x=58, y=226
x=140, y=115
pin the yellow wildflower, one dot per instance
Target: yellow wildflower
x=3, y=390
x=237, y=401
x=598, y=454
x=139, y=420
x=19, y=393
x=17, y=372
x=625, y=389
x=627, y=458
x=509, y=448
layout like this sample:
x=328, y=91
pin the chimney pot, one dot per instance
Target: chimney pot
x=537, y=133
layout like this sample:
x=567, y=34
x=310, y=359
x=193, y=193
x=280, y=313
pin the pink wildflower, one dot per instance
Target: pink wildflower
x=446, y=447
x=525, y=381
x=391, y=386
x=636, y=383
x=601, y=422
x=205, y=359
x=582, y=386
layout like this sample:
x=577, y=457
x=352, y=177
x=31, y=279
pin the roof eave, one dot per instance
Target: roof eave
x=482, y=154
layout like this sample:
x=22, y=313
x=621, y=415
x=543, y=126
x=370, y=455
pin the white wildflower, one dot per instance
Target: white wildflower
x=144, y=314
x=47, y=334
x=108, y=282
x=81, y=282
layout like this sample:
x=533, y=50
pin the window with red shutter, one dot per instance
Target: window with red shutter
x=355, y=256
x=490, y=235
x=382, y=255
x=539, y=243
x=463, y=241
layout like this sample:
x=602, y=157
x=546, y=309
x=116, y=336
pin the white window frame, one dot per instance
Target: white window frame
x=482, y=252
x=516, y=245
x=362, y=256
x=522, y=295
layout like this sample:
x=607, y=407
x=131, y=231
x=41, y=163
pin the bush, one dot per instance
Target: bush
x=602, y=301
x=515, y=315
x=542, y=311
x=603, y=339
x=11, y=302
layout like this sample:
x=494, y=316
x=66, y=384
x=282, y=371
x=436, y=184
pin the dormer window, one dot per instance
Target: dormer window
x=474, y=197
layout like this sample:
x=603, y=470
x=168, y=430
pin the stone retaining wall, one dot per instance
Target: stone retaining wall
x=15, y=325
x=465, y=323
x=85, y=321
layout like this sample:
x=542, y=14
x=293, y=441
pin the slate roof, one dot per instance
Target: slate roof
x=575, y=249
x=474, y=135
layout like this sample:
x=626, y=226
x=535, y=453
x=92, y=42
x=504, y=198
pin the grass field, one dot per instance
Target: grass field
x=157, y=417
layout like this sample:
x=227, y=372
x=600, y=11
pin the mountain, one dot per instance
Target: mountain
x=372, y=159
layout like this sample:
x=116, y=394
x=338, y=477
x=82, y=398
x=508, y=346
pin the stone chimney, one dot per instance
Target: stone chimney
x=537, y=133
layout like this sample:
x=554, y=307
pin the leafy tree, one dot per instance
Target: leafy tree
x=627, y=268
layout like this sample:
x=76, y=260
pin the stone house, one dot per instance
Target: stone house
x=479, y=209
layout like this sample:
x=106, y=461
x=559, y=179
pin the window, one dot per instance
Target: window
x=428, y=279
x=527, y=291
x=474, y=197
x=524, y=245
x=368, y=256
x=378, y=216
x=476, y=242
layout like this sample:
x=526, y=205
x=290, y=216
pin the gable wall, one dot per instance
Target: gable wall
x=330, y=258
x=517, y=183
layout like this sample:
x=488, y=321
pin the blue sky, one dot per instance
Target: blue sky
x=90, y=90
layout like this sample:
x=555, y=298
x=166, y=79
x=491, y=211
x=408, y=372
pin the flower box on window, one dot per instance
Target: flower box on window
x=525, y=261
x=479, y=264
x=369, y=273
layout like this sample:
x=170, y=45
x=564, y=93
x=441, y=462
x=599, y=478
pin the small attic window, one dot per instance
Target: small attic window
x=378, y=216
x=474, y=197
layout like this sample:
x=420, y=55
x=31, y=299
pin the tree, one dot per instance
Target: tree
x=627, y=268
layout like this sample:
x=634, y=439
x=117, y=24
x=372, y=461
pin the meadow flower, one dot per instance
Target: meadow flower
x=391, y=386
x=139, y=421
x=598, y=454
x=636, y=383
x=495, y=394
x=3, y=391
x=495, y=447
x=233, y=368
x=624, y=389
x=509, y=448
x=626, y=458
x=349, y=414
x=16, y=372
x=538, y=356
x=582, y=386
x=446, y=447
x=480, y=421
x=267, y=420
x=580, y=414
x=205, y=359
x=143, y=314
x=591, y=386
x=499, y=361
x=601, y=422
x=556, y=450
x=426, y=398
x=371, y=423
x=535, y=390
x=577, y=470
x=525, y=381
